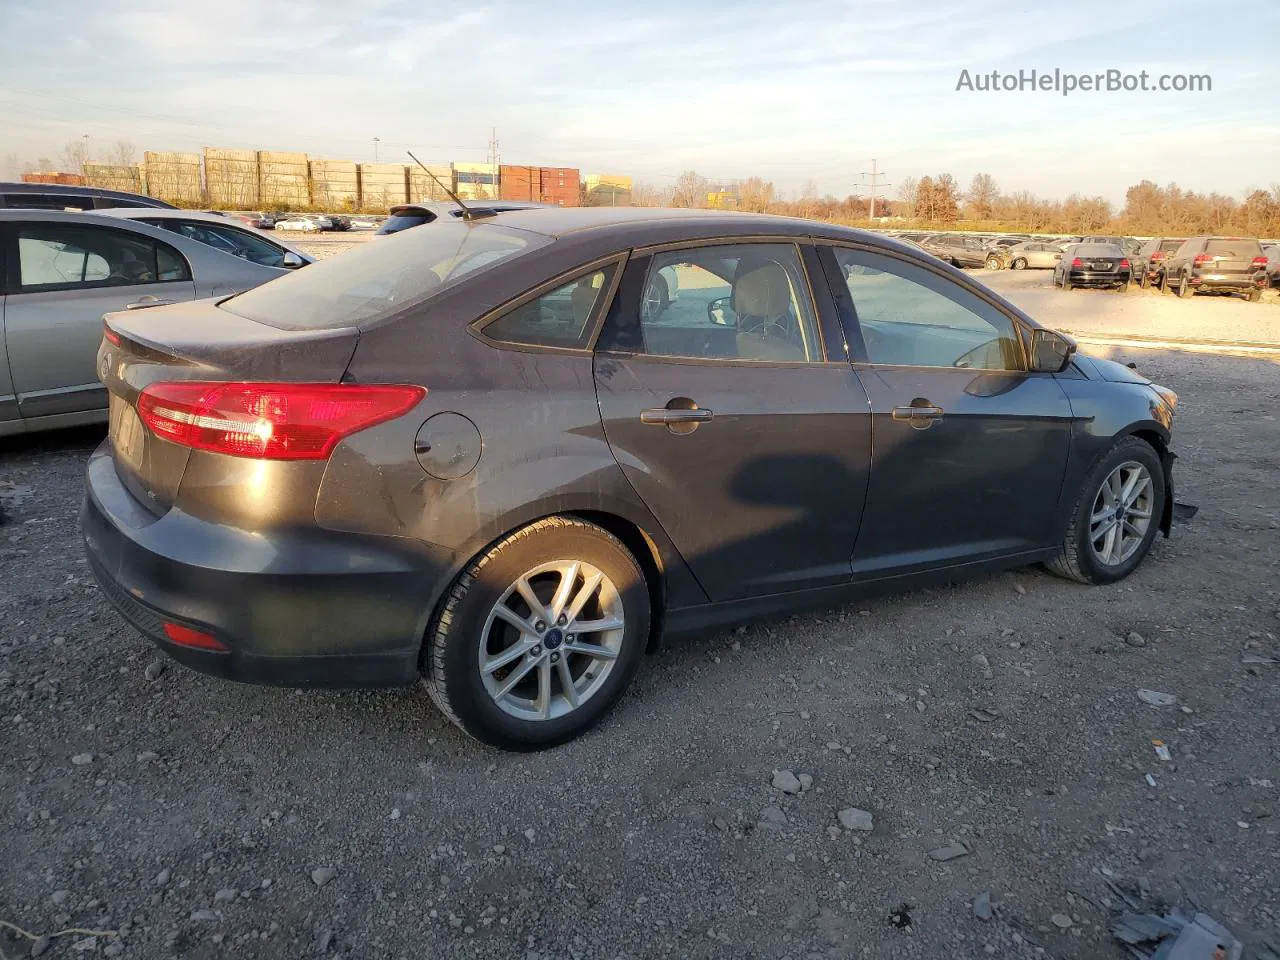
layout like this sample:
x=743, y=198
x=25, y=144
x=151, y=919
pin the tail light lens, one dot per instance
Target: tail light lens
x=1259, y=263
x=270, y=421
x=1124, y=264
x=1077, y=263
x=112, y=337
x=1158, y=255
x=1202, y=258
x=196, y=639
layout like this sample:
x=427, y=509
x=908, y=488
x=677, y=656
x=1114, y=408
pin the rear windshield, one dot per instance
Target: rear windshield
x=1098, y=250
x=378, y=279
x=1233, y=249
x=403, y=221
x=1168, y=246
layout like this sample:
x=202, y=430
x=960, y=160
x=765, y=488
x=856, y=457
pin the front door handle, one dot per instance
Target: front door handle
x=147, y=301
x=921, y=414
x=664, y=416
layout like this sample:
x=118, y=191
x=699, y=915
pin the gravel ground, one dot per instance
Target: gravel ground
x=199, y=818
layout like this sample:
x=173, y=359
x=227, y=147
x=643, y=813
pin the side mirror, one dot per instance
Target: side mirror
x=720, y=313
x=1051, y=351
x=291, y=261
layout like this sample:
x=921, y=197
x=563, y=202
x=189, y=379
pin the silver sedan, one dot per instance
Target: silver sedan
x=222, y=233
x=65, y=270
x=1033, y=255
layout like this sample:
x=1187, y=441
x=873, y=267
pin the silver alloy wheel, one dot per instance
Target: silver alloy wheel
x=1121, y=513
x=552, y=639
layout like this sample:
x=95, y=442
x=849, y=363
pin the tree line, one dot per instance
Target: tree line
x=939, y=202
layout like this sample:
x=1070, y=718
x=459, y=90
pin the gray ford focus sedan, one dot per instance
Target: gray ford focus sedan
x=485, y=456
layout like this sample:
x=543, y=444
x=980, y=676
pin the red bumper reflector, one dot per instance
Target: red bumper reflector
x=186, y=637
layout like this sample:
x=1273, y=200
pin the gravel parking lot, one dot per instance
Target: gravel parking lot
x=999, y=718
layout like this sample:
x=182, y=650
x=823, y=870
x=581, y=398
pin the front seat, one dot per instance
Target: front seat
x=761, y=300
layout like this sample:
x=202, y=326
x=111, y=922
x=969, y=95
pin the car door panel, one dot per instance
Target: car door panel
x=765, y=495
x=53, y=337
x=969, y=448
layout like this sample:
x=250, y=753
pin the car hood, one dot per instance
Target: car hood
x=1098, y=369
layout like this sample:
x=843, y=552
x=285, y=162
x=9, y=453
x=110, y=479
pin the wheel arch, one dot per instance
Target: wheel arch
x=1158, y=437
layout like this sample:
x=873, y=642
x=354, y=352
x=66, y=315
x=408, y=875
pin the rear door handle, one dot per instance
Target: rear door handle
x=146, y=302
x=663, y=415
x=921, y=417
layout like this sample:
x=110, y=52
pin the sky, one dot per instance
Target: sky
x=789, y=91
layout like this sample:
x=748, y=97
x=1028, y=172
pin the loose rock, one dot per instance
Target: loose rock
x=771, y=818
x=1157, y=699
x=322, y=875
x=951, y=851
x=225, y=895
x=854, y=819
x=1060, y=920
x=59, y=897
x=162, y=877
x=80, y=759
x=204, y=916
x=154, y=669
x=786, y=781
x=983, y=664
x=982, y=906
x=40, y=945
x=1135, y=639
x=806, y=782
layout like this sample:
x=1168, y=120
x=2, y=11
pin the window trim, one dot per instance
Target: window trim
x=598, y=312
x=798, y=242
x=1022, y=331
x=17, y=287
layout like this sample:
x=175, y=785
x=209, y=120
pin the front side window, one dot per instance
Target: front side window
x=731, y=302
x=913, y=317
x=54, y=256
x=559, y=318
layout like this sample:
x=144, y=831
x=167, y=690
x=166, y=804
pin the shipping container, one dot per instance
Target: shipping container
x=553, y=185
x=476, y=181
x=283, y=180
x=423, y=188
x=173, y=177
x=231, y=179
x=382, y=185
x=335, y=184
x=52, y=176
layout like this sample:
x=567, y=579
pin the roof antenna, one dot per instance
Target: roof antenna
x=467, y=212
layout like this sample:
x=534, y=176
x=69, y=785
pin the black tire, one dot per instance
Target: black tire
x=1019, y=264
x=450, y=656
x=661, y=296
x=1076, y=559
x=1066, y=281
x=1143, y=283
x=1254, y=296
x=991, y=263
x=1185, y=290
x=1163, y=283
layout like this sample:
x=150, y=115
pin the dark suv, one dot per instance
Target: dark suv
x=1148, y=262
x=1228, y=264
x=56, y=196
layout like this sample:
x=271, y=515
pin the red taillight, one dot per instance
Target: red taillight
x=1077, y=262
x=112, y=337
x=1125, y=264
x=1259, y=263
x=270, y=421
x=1202, y=258
x=1158, y=255
x=186, y=637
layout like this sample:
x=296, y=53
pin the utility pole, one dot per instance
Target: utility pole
x=494, y=158
x=85, y=137
x=874, y=184
x=376, y=141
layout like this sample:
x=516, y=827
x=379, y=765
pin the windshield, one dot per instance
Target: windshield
x=379, y=279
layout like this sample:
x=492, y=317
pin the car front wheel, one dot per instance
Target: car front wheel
x=1116, y=516
x=540, y=635
x=1019, y=264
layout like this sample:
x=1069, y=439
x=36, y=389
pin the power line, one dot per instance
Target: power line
x=874, y=174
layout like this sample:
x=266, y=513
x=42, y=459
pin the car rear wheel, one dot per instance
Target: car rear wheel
x=1185, y=290
x=1066, y=281
x=1144, y=280
x=1019, y=264
x=992, y=263
x=1116, y=516
x=1254, y=296
x=540, y=635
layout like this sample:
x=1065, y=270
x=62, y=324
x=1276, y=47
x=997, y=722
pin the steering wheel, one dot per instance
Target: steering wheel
x=965, y=360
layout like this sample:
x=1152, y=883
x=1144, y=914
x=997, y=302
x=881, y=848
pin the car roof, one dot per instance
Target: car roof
x=660, y=224
x=12, y=187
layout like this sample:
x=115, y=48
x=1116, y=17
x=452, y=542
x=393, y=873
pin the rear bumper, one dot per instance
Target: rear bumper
x=296, y=608
x=1090, y=278
x=1242, y=284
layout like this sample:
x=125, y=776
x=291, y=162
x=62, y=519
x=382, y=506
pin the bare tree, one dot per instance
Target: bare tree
x=981, y=195
x=690, y=190
x=809, y=198
x=122, y=154
x=908, y=194
x=755, y=195
x=649, y=195
x=74, y=155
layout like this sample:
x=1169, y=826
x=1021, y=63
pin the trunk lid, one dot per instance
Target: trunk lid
x=1230, y=257
x=197, y=341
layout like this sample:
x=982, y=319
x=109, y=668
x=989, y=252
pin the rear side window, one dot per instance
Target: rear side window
x=238, y=243
x=47, y=201
x=58, y=257
x=380, y=279
x=1234, y=249
x=403, y=221
x=559, y=318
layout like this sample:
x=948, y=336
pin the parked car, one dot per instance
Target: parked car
x=65, y=271
x=1272, y=253
x=233, y=238
x=339, y=223
x=1148, y=262
x=55, y=196
x=957, y=249
x=392, y=511
x=1223, y=264
x=406, y=215
x=1093, y=265
x=1033, y=255
x=299, y=224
